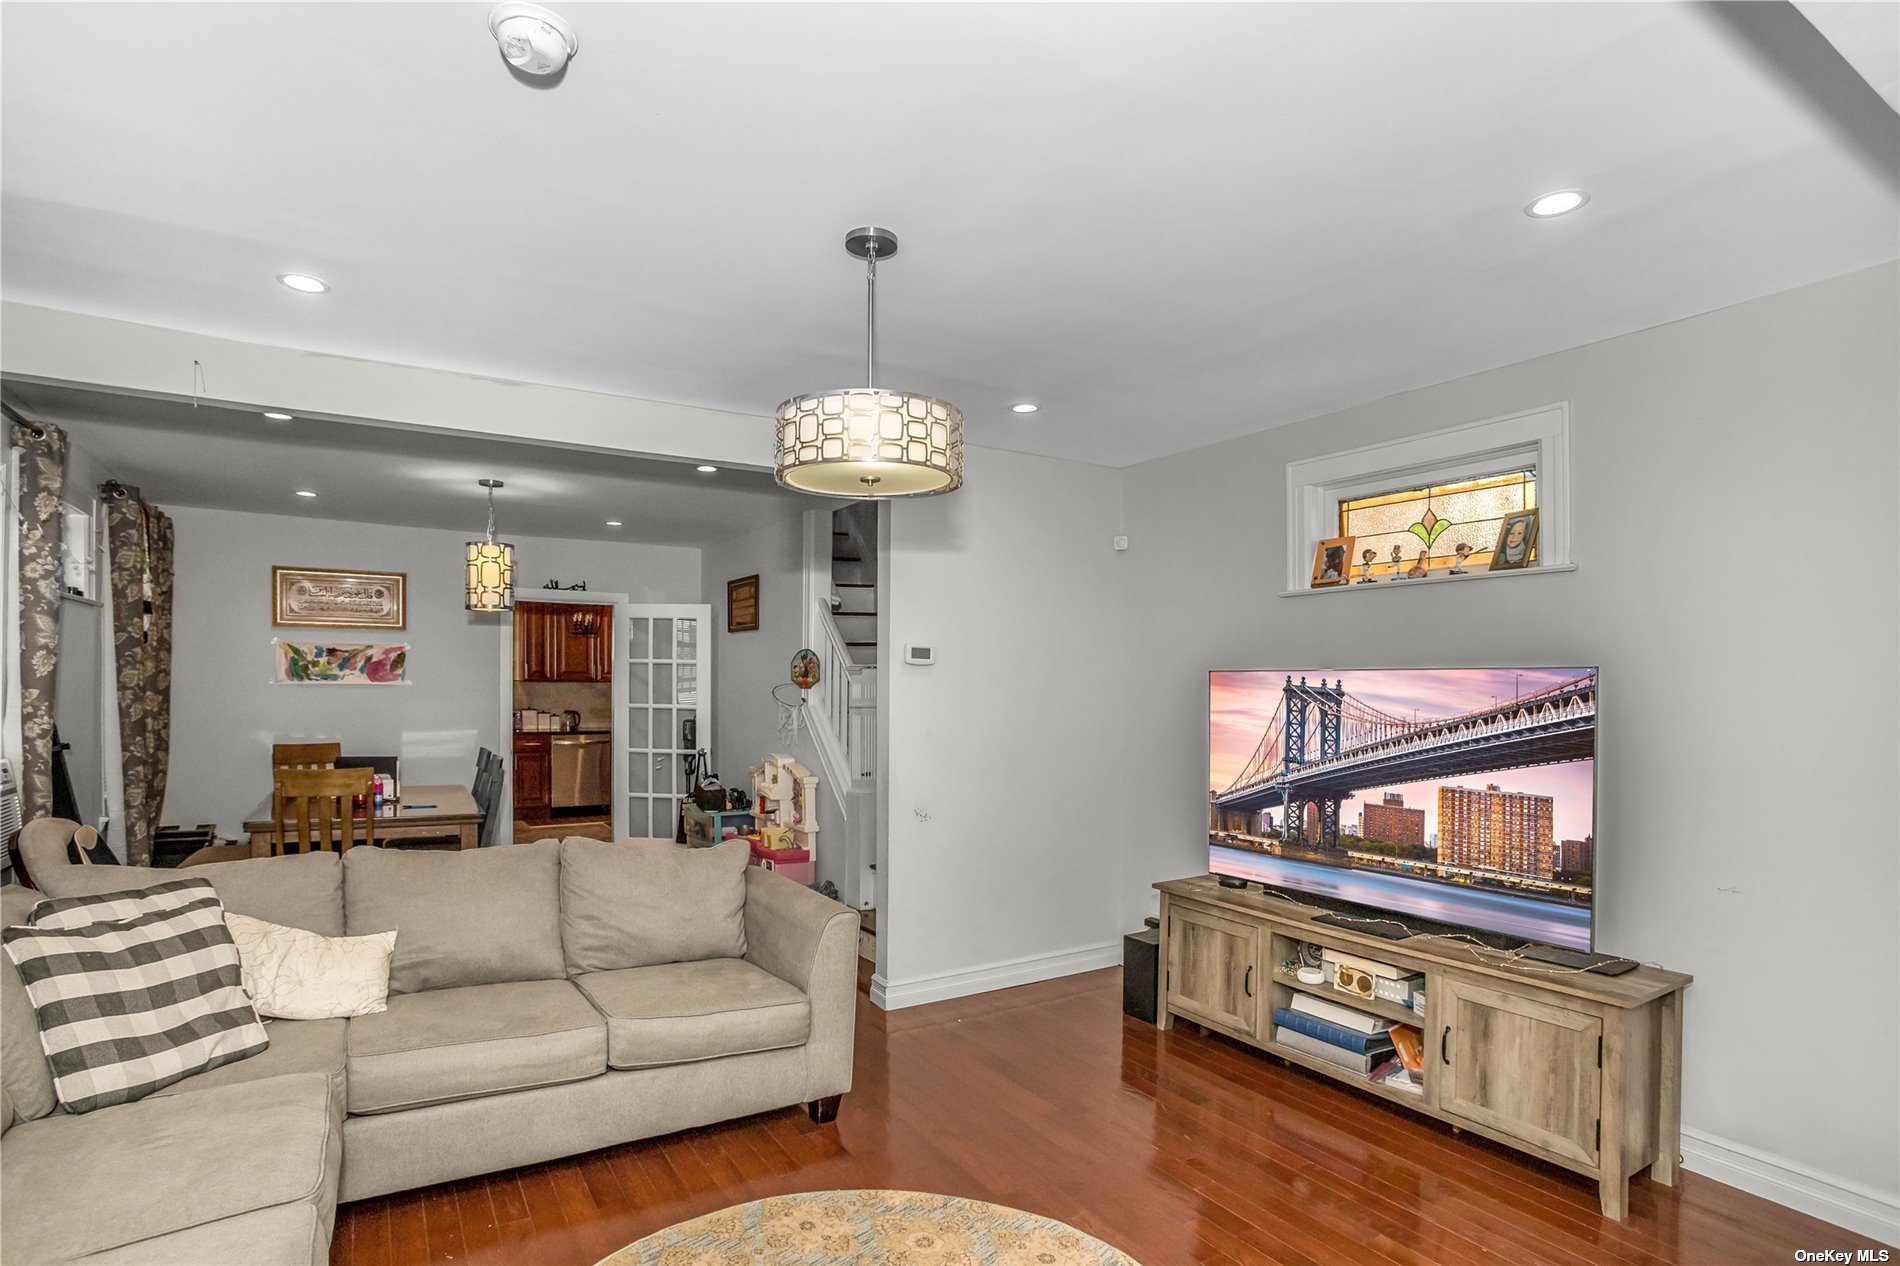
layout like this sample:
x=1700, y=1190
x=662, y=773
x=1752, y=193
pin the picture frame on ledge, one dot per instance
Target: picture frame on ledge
x=1517, y=541
x=1332, y=562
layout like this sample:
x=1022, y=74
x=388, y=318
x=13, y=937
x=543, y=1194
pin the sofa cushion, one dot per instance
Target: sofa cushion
x=282, y=1235
x=675, y=1013
x=474, y=917
x=296, y=1046
x=77, y=1185
x=133, y=991
x=24, y=1072
x=633, y=903
x=302, y=890
x=446, y=1044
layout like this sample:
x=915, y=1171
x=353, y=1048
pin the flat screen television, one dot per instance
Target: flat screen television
x=1461, y=796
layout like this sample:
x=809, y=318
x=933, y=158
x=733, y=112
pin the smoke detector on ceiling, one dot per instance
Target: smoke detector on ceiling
x=534, y=41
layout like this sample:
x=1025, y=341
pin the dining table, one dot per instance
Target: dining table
x=426, y=811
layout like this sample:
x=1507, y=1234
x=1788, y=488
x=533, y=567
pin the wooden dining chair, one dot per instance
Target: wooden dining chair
x=317, y=809
x=304, y=755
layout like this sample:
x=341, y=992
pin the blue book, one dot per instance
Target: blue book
x=1332, y=1034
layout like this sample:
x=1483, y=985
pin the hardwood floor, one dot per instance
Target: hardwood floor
x=1178, y=1148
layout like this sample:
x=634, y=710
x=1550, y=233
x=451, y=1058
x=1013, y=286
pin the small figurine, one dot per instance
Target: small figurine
x=1464, y=551
x=1422, y=568
x=1398, y=563
x=1365, y=566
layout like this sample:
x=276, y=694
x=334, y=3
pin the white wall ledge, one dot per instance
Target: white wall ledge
x=1425, y=582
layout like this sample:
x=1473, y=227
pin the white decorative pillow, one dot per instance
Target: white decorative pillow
x=292, y=974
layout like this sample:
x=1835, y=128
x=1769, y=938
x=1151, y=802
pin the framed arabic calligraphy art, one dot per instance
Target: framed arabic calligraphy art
x=323, y=598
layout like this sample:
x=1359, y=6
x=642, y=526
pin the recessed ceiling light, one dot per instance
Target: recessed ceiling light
x=305, y=492
x=613, y=523
x=278, y=417
x=1024, y=407
x=304, y=283
x=706, y=470
x=1558, y=202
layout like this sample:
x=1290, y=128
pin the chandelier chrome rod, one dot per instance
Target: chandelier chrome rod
x=870, y=315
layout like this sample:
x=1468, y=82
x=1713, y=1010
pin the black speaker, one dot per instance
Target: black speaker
x=1141, y=957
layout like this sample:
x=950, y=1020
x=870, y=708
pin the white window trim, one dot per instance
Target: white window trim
x=1540, y=437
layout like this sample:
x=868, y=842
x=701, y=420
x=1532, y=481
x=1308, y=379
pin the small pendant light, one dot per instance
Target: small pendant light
x=491, y=565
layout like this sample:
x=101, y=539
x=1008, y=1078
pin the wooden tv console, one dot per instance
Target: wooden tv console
x=1581, y=1070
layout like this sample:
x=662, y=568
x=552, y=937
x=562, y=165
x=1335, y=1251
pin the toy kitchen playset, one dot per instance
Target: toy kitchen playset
x=781, y=823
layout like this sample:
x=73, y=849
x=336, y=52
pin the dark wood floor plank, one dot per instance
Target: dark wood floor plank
x=1182, y=1148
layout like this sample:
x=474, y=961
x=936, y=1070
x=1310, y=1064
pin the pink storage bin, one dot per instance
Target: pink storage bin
x=793, y=863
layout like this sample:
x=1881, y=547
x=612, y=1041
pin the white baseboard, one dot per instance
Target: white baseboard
x=1845, y=1204
x=892, y=995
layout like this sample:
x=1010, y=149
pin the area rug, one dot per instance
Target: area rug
x=869, y=1228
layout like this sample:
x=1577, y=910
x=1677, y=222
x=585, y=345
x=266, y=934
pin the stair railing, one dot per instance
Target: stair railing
x=829, y=703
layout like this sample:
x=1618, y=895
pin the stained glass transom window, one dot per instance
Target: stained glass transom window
x=1470, y=510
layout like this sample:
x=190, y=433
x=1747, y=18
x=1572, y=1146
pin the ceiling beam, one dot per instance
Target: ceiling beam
x=47, y=345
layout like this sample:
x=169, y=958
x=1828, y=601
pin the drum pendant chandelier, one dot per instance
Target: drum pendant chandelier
x=870, y=441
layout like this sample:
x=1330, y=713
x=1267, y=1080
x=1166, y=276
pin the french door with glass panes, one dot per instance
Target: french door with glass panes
x=666, y=673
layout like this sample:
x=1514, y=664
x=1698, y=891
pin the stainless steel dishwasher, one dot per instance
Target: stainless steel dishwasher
x=583, y=777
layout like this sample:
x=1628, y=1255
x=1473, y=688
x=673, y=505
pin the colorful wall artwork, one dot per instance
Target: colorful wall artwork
x=318, y=663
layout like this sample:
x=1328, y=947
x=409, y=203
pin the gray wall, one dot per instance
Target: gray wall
x=226, y=711
x=1010, y=755
x=746, y=666
x=1734, y=518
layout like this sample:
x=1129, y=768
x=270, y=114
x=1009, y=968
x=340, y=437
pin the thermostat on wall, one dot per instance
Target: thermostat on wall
x=915, y=654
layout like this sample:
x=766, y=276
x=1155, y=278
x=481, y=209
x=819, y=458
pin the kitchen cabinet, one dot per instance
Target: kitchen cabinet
x=563, y=641
x=534, y=776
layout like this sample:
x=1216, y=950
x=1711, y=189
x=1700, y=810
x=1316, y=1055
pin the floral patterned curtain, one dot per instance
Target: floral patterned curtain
x=42, y=490
x=139, y=551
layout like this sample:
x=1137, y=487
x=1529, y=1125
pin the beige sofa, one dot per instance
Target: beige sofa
x=511, y=1037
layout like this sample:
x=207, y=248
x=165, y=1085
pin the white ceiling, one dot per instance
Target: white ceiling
x=1167, y=224
x=233, y=459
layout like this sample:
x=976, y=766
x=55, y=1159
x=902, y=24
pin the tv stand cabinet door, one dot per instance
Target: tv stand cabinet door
x=1214, y=969
x=1527, y=1069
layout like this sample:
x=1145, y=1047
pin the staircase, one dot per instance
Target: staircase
x=854, y=579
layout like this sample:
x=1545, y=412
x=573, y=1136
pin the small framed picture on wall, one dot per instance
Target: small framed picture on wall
x=742, y=605
x=1332, y=561
x=1517, y=539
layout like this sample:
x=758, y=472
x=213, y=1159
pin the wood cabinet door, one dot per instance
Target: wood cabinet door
x=1213, y=969
x=537, y=641
x=583, y=640
x=534, y=778
x=1528, y=1069
x=601, y=648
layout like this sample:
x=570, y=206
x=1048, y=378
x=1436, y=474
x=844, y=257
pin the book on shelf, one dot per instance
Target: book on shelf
x=1394, y=1074
x=1332, y=1034
x=1344, y=1017
x=1408, y=1044
x=1295, y=1040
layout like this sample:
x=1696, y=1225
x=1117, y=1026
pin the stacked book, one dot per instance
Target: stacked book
x=1337, y=1034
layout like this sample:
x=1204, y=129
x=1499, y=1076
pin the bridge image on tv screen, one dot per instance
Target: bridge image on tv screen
x=1453, y=795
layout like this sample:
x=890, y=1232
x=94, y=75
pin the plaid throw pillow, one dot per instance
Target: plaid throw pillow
x=134, y=990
